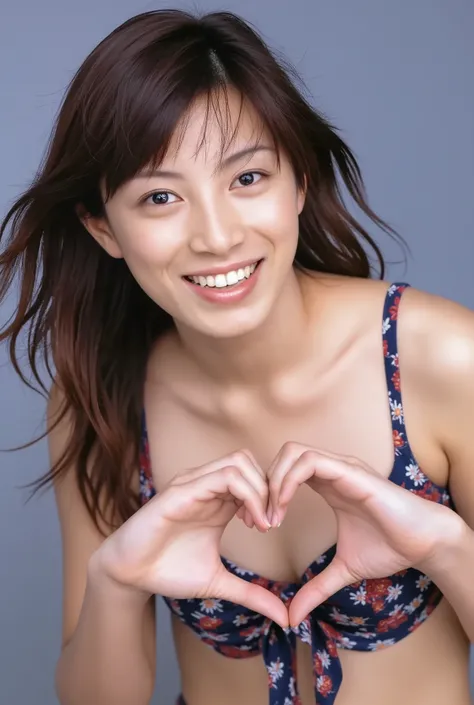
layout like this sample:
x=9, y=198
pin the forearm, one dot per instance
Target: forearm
x=452, y=569
x=107, y=661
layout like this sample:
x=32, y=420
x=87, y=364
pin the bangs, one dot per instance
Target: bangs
x=153, y=107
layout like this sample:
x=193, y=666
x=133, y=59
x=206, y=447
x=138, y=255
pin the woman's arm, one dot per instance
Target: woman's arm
x=441, y=364
x=108, y=642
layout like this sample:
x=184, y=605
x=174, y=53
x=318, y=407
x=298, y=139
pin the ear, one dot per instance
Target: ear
x=302, y=195
x=101, y=231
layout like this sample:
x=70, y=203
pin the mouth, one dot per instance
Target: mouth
x=224, y=280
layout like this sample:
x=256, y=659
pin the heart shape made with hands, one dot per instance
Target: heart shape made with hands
x=382, y=528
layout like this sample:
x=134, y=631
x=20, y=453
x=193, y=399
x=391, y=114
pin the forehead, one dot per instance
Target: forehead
x=213, y=126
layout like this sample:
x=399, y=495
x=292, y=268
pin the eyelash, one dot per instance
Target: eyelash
x=255, y=171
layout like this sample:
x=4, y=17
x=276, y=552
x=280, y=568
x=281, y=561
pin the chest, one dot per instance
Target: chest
x=349, y=415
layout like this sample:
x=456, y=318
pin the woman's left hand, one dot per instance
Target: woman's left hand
x=382, y=528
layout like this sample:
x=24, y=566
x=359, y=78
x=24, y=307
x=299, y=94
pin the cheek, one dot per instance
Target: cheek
x=149, y=247
x=275, y=216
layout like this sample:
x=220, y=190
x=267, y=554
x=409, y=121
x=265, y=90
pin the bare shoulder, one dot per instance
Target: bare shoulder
x=437, y=336
x=437, y=343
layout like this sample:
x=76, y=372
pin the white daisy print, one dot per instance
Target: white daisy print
x=415, y=474
x=210, y=605
x=303, y=630
x=397, y=411
x=359, y=597
x=213, y=637
x=394, y=592
x=345, y=643
x=339, y=617
x=240, y=620
x=414, y=604
x=275, y=671
x=381, y=644
x=392, y=289
x=423, y=583
x=325, y=658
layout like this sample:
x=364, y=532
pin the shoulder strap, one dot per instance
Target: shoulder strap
x=392, y=368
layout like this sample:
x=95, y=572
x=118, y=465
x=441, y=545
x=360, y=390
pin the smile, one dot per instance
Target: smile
x=224, y=279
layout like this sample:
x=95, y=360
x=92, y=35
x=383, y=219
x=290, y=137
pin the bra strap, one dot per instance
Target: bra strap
x=392, y=368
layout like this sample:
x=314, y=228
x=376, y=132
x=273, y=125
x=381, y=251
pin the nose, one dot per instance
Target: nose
x=215, y=230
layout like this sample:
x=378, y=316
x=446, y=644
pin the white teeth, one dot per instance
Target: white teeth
x=229, y=279
x=221, y=280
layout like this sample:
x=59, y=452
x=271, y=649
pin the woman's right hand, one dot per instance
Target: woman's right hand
x=171, y=546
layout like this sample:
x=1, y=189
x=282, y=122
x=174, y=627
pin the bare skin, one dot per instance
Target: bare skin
x=334, y=398
x=300, y=359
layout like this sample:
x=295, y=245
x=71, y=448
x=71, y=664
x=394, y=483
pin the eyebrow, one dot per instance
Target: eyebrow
x=237, y=156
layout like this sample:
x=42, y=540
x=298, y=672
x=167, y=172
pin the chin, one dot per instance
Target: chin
x=228, y=324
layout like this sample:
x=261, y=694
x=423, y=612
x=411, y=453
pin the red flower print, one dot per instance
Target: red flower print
x=393, y=310
x=324, y=685
x=210, y=623
x=318, y=665
x=398, y=441
x=377, y=588
x=385, y=625
x=234, y=651
x=330, y=631
x=385, y=347
x=396, y=380
x=378, y=605
x=262, y=582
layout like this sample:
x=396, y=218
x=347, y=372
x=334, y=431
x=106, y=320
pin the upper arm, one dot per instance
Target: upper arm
x=442, y=361
x=79, y=535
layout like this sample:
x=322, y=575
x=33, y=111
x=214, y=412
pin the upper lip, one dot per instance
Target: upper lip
x=223, y=268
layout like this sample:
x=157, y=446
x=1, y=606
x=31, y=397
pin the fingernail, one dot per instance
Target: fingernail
x=275, y=519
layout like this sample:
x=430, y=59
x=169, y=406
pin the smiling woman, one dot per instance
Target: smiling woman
x=226, y=420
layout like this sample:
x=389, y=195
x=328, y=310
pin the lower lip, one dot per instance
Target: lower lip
x=228, y=294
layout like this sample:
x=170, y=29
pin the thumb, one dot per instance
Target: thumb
x=255, y=597
x=316, y=591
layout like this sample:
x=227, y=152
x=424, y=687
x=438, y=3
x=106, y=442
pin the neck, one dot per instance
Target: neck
x=261, y=356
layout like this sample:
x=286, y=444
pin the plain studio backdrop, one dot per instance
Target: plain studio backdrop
x=396, y=77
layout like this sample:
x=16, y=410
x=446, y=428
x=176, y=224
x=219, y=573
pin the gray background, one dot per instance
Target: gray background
x=397, y=77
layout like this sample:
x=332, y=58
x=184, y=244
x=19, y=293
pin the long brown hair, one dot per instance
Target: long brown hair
x=82, y=310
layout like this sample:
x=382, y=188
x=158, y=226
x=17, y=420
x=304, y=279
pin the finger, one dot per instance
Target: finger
x=230, y=482
x=278, y=470
x=318, y=590
x=249, y=520
x=254, y=597
x=242, y=459
x=245, y=517
x=336, y=480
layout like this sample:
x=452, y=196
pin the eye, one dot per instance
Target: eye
x=159, y=198
x=248, y=178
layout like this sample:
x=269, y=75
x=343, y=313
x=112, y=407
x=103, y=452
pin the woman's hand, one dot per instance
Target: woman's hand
x=382, y=528
x=171, y=546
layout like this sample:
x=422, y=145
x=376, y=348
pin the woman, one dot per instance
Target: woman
x=224, y=358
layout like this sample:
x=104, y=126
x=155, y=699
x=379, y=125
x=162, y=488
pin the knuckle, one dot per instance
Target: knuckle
x=307, y=456
x=231, y=473
x=290, y=447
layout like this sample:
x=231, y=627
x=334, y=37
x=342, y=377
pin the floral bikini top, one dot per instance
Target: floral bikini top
x=366, y=616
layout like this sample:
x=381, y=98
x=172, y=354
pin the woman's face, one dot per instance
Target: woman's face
x=192, y=232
